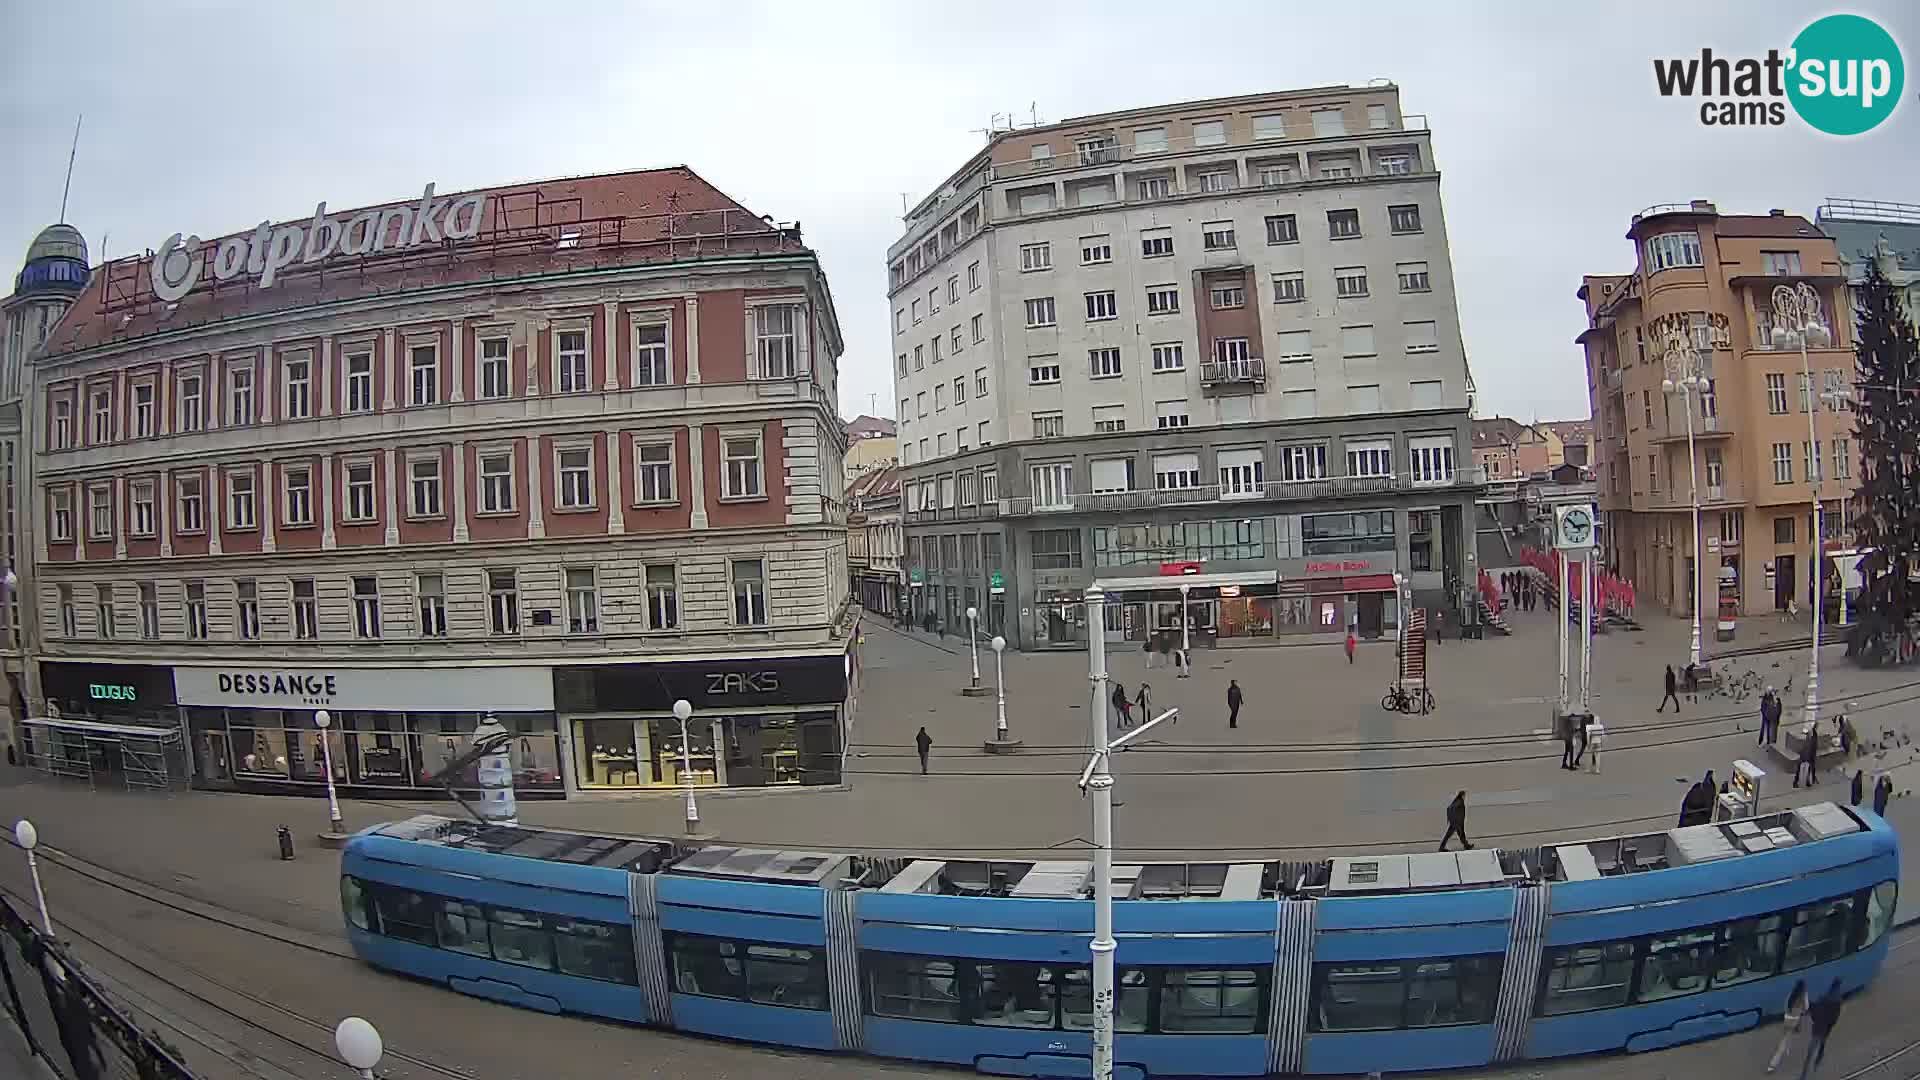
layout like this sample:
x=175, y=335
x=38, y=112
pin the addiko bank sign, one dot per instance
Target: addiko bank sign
x=269, y=249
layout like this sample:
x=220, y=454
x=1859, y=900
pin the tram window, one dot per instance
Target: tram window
x=1819, y=933
x=1585, y=977
x=1457, y=991
x=353, y=900
x=1359, y=997
x=1879, y=911
x=405, y=915
x=784, y=975
x=912, y=987
x=521, y=938
x=463, y=928
x=1677, y=964
x=1201, y=1001
x=708, y=966
x=1132, y=1005
x=1015, y=995
x=594, y=950
x=1749, y=949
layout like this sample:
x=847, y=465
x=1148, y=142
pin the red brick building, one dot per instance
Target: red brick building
x=564, y=451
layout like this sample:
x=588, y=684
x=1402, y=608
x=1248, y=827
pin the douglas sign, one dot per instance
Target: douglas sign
x=268, y=250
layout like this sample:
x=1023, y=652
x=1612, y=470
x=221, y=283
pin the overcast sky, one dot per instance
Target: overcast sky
x=1546, y=124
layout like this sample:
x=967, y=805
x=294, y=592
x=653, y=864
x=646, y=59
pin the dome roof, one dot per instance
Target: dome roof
x=58, y=241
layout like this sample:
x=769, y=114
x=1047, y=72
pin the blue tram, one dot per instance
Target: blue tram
x=1348, y=965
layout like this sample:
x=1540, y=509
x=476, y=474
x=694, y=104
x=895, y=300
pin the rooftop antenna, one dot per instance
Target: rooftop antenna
x=873, y=404
x=1033, y=113
x=71, y=153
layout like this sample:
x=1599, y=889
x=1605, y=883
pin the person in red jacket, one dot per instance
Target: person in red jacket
x=1352, y=643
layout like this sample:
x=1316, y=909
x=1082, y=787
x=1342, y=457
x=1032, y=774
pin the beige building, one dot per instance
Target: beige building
x=871, y=445
x=1711, y=277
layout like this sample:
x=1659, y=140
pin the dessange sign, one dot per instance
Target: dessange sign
x=266, y=251
x=477, y=689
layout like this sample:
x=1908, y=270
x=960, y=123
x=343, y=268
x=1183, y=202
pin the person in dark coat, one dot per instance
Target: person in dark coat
x=1234, y=700
x=1144, y=702
x=1672, y=683
x=1122, y=706
x=1457, y=822
x=1824, y=1014
x=1859, y=785
x=924, y=742
x=1769, y=717
x=1809, y=759
x=1566, y=754
x=1882, y=791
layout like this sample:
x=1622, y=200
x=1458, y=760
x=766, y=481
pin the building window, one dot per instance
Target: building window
x=431, y=590
x=298, y=494
x=1210, y=133
x=366, y=607
x=1811, y=451
x=1730, y=527
x=1343, y=224
x=1432, y=460
x=663, y=597
x=496, y=482
x=99, y=512
x=1350, y=282
x=1051, y=485
x=1169, y=356
x=1776, y=394
x=960, y=390
x=583, y=603
x=776, y=339
x=69, y=616
x=1043, y=370
x=1170, y=414
x=1055, y=549
x=977, y=324
x=62, y=430
x=240, y=396
x=1174, y=472
x=742, y=464
x=1242, y=473
x=298, y=389
x=979, y=382
x=1215, y=181
x=1305, y=461
x=306, y=610
x=1374, y=459
x=423, y=476
x=143, y=410
x=1101, y=305
x=749, y=592
x=1781, y=263
x=570, y=361
x=360, y=382
x=1156, y=243
x=1095, y=249
x=60, y=514
x=919, y=357
x=1109, y=418
x=1289, y=288
x=197, y=610
x=190, y=518
x=1404, y=219
x=1842, y=460
x=1163, y=299
x=653, y=472
x=1782, y=463
x=1216, y=235
x=916, y=311
x=933, y=301
x=973, y=277
x=494, y=368
x=1783, y=530
x=575, y=471
x=1049, y=425
x=1036, y=257
x=192, y=404
x=953, y=288
x=1232, y=354
x=246, y=610
x=102, y=412
x=103, y=610
x=1155, y=188
x=240, y=501
x=503, y=603
x=1103, y=363
x=1040, y=311
x=360, y=491
x=1413, y=277
x=140, y=496
x=1673, y=249
x=936, y=348
x=149, y=610
x=1223, y=297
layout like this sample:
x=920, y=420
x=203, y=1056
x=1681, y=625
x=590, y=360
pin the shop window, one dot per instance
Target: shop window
x=607, y=754
x=1422, y=540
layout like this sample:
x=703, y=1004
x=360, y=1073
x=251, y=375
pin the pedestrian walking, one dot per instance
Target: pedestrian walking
x=1809, y=757
x=1457, y=822
x=924, y=742
x=1234, y=700
x=1846, y=736
x=1146, y=646
x=1352, y=644
x=1792, y=1022
x=1769, y=717
x=1122, y=706
x=1671, y=684
x=1859, y=786
x=928, y=622
x=1882, y=791
x=1183, y=662
x=1566, y=754
x=1144, y=701
x=1823, y=1015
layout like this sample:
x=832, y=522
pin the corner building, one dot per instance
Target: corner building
x=567, y=467
x=1214, y=340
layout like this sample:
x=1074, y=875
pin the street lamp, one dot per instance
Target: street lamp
x=335, y=827
x=1689, y=385
x=359, y=1045
x=1186, y=628
x=682, y=711
x=1797, y=323
x=973, y=688
x=28, y=838
x=1000, y=692
x=1098, y=778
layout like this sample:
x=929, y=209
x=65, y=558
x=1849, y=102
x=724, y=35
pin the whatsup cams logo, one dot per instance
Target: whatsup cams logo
x=1843, y=75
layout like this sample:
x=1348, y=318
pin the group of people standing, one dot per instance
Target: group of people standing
x=1162, y=647
x=1519, y=589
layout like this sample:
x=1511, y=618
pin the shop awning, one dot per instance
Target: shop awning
x=95, y=727
x=1174, y=582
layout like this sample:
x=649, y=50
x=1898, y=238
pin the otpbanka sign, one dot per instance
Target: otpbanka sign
x=266, y=251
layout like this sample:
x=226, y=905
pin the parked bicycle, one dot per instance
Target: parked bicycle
x=1402, y=699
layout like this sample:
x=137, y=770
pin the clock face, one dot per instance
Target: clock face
x=1577, y=526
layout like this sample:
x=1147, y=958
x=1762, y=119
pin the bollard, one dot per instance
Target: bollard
x=286, y=842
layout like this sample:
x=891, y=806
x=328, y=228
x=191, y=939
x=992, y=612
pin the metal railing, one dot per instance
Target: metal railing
x=1875, y=210
x=1252, y=370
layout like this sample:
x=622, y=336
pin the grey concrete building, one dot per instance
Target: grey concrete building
x=1204, y=354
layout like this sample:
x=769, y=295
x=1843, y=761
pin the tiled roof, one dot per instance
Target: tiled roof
x=864, y=426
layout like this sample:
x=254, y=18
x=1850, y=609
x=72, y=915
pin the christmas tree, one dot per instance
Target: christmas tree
x=1887, y=425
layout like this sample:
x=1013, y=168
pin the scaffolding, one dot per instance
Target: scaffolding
x=136, y=756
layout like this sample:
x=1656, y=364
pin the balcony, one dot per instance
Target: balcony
x=1705, y=429
x=976, y=512
x=1248, y=374
x=1117, y=153
x=1331, y=487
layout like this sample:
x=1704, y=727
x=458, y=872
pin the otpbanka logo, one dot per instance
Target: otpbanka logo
x=1843, y=75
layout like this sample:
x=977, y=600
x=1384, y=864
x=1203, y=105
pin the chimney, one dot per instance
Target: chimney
x=1776, y=213
x=1702, y=206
